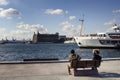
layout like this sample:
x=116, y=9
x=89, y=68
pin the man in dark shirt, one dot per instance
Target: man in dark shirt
x=96, y=56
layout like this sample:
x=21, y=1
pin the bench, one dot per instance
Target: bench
x=85, y=67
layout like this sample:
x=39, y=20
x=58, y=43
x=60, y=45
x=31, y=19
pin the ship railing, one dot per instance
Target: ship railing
x=93, y=37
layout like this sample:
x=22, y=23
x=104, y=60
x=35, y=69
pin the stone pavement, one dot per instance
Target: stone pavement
x=109, y=70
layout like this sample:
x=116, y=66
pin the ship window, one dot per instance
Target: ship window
x=104, y=35
x=79, y=43
x=108, y=42
x=102, y=41
x=113, y=42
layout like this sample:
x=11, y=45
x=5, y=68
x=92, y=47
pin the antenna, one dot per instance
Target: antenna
x=82, y=20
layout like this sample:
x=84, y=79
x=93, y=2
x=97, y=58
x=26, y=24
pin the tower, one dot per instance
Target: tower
x=35, y=38
x=82, y=20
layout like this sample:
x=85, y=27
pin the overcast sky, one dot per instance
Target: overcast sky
x=21, y=18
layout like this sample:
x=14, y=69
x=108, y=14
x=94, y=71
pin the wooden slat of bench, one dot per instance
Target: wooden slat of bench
x=91, y=63
x=87, y=64
x=81, y=64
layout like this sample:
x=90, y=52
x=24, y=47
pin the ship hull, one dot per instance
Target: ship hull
x=90, y=42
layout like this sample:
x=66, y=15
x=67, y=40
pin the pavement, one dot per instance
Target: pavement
x=55, y=70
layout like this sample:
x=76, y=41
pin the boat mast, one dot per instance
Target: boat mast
x=82, y=20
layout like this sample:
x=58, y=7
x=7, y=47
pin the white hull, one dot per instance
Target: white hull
x=94, y=42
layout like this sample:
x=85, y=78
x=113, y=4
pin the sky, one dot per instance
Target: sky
x=19, y=19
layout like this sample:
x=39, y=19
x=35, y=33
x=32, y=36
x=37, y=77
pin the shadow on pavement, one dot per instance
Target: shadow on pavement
x=109, y=75
x=104, y=75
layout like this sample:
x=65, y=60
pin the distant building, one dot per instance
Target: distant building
x=48, y=38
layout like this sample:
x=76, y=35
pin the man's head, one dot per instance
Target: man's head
x=96, y=51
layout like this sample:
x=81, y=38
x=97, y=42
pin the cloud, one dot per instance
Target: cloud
x=69, y=29
x=56, y=11
x=67, y=26
x=23, y=31
x=2, y=31
x=19, y=32
x=110, y=22
x=116, y=11
x=72, y=17
x=33, y=27
x=16, y=34
x=9, y=13
x=4, y=2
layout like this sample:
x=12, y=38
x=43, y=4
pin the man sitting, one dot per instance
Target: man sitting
x=96, y=56
x=73, y=59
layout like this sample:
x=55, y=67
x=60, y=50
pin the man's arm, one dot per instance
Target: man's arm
x=78, y=57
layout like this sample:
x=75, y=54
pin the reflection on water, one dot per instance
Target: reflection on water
x=18, y=52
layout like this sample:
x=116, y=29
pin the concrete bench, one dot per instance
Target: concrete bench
x=84, y=67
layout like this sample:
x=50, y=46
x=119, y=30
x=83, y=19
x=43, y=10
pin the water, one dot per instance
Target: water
x=18, y=52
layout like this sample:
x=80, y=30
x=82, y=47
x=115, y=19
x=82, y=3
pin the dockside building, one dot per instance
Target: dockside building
x=48, y=38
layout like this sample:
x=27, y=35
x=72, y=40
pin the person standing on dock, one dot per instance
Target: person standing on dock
x=73, y=58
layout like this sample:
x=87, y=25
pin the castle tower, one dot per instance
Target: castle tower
x=35, y=38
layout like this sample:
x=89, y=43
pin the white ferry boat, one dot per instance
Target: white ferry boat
x=109, y=39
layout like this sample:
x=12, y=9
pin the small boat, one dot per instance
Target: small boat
x=2, y=42
x=69, y=42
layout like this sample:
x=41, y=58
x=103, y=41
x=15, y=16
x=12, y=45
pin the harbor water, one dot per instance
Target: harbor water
x=18, y=52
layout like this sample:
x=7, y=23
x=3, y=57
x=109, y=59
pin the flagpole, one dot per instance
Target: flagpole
x=82, y=20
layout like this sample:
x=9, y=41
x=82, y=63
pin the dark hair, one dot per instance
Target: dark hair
x=72, y=51
x=97, y=52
